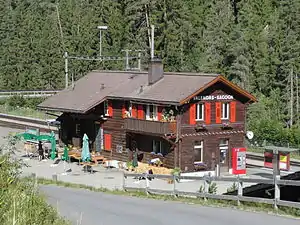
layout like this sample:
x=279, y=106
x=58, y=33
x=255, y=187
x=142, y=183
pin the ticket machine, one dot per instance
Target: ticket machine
x=239, y=160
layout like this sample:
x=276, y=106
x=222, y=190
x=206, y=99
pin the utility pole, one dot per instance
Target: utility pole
x=60, y=27
x=100, y=37
x=66, y=70
x=148, y=25
x=152, y=41
x=127, y=57
x=139, y=61
x=292, y=96
x=297, y=98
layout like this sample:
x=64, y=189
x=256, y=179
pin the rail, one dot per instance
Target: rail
x=260, y=157
x=27, y=93
x=25, y=122
x=205, y=193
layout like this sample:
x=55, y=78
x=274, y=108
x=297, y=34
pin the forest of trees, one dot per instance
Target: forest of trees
x=254, y=43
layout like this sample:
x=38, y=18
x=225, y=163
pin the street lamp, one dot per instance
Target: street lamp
x=101, y=28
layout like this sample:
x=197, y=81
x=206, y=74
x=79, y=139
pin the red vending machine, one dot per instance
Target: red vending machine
x=239, y=160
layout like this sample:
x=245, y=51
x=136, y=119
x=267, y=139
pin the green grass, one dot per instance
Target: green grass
x=20, y=201
x=26, y=112
x=247, y=206
x=294, y=155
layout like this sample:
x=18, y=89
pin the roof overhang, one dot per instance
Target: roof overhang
x=145, y=101
x=222, y=79
x=53, y=109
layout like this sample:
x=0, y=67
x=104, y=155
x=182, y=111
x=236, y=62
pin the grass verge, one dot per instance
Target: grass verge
x=247, y=206
x=24, y=111
x=20, y=202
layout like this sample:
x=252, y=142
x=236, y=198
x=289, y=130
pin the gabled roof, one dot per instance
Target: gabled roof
x=221, y=79
x=96, y=86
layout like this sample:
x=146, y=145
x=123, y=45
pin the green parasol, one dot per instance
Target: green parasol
x=85, y=153
x=53, y=146
x=135, y=161
x=65, y=155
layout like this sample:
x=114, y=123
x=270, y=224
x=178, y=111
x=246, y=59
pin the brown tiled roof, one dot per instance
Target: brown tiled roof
x=174, y=88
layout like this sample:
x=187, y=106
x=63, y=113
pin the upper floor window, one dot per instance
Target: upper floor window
x=225, y=111
x=128, y=109
x=151, y=112
x=200, y=112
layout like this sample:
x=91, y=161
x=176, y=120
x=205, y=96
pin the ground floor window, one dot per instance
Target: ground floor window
x=198, y=151
x=223, y=150
x=77, y=129
x=157, y=147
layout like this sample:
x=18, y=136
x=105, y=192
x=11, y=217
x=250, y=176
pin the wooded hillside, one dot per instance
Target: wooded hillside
x=253, y=43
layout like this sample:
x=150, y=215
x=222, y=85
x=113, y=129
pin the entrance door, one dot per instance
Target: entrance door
x=223, y=159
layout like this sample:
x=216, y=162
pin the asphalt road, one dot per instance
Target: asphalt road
x=104, y=209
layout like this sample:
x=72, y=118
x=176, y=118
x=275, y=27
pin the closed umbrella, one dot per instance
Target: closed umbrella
x=135, y=160
x=85, y=153
x=65, y=156
x=53, y=146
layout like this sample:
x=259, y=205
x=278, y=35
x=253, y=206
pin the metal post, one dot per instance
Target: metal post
x=127, y=59
x=174, y=185
x=240, y=190
x=276, y=176
x=139, y=62
x=277, y=191
x=66, y=70
x=100, y=36
x=276, y=169
x=152, y=41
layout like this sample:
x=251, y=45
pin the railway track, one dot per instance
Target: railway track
x=19, y=122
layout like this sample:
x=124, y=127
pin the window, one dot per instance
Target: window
x=198, y=151
x=225, y=111
x=106, y=111
x=157, y=147
x=128, y=109
x=223, y=150
x=151, y=112
x=200, y=112
x=77, y=129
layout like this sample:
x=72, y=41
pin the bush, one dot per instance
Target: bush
x=212, y=188
x=20, y=101
x=19, y=200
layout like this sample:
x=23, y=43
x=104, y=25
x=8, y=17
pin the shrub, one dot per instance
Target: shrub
x=20, y=202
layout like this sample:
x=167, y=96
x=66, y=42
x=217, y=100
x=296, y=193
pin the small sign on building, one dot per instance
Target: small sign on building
x=213, y=97
x=119, y=149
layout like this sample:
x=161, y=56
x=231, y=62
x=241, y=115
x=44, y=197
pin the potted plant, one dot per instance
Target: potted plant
x=175, y=172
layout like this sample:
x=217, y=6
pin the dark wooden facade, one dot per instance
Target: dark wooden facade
x=177, y=137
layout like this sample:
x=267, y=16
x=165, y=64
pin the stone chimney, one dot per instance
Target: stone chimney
x=155, y=71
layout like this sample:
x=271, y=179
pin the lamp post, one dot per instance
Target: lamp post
x=100, y=36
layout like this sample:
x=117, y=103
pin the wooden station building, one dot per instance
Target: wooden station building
x=187, y=120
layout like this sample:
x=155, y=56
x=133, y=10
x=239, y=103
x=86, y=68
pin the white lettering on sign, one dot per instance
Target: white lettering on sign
x=212, y=98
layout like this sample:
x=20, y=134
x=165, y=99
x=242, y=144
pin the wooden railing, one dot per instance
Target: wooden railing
x=148, y=126
x=207, y=180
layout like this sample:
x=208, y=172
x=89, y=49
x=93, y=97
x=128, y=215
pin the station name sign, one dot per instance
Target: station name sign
x=213, y=97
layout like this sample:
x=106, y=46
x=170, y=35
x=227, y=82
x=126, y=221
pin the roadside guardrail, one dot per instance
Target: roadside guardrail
x=207, y=180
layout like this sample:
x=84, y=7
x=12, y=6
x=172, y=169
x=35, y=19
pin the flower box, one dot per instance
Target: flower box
x=226, y=125
x=200, y=127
